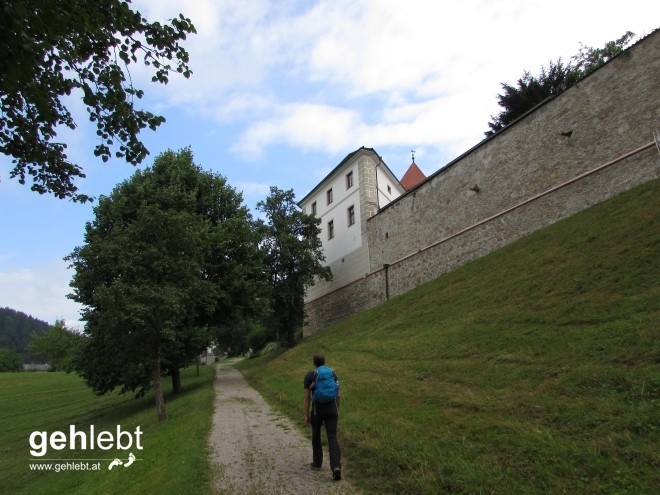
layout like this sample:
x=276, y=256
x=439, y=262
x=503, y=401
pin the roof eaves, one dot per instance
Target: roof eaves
x=348, y=157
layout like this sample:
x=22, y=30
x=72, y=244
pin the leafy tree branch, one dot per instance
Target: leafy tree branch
x=49, y=50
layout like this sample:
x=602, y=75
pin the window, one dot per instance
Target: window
x=349, y=180
x=331, y=229
x=389, y=189
x=351, y=215
x=329, y=195
x=314, y=208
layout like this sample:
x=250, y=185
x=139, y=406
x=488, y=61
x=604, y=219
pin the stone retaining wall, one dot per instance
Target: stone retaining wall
x=608, y=115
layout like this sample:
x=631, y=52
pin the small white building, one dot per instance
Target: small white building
x=344, y=200
x=207, y=357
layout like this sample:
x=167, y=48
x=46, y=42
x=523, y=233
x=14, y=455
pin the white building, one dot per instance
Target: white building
x=354, y=191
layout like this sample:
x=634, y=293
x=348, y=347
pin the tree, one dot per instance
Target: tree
x=590, y=59
x=9, y=360
x=170, y=254
x=49, y=50
x=59, y=345
x=293, y=258
x=529, y=90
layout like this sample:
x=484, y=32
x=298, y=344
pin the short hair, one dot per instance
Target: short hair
x=319, y=360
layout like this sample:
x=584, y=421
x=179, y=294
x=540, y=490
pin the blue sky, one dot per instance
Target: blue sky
x=282, y=91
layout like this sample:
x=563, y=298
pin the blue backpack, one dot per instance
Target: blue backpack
x=326, y=389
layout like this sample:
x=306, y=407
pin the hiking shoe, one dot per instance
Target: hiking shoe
x=336, y=474
x=315, y=467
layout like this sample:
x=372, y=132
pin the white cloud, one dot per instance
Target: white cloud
x=304, y=126
x=332, y=75
x=41, y=292
x=253, y=189
x=236, y=46
x=436, y=122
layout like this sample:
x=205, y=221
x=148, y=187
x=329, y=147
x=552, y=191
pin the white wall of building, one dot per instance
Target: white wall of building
x=388, y=188
x=346, y=252
x=346, y=238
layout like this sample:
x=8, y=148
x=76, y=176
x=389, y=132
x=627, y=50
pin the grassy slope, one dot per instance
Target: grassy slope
x=174, y=455
x=532, y=370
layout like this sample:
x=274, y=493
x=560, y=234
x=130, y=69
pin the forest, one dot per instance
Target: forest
x=16, y=331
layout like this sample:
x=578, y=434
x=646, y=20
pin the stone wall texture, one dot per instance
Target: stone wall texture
x=527, y=177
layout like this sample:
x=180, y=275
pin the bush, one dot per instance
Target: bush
x=269, y=347
x=9, y=360
x=259, y=337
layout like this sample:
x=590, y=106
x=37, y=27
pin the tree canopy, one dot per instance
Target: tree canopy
x=170, y=254
x=530, y=90
x=293, y=258
x=9, y=360
x=49, y=50
x=59, y=346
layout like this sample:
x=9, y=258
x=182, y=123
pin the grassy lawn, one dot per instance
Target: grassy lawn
x=534, y=370
x=174, y=455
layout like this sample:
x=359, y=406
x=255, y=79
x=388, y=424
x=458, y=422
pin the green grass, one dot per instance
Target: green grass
x=173, y=459
x=533, y=370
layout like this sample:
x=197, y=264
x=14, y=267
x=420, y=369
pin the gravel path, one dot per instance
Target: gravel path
x=256, y=451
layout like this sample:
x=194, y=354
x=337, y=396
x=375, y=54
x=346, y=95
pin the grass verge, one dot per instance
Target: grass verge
x=174, y=458
x=533, y=370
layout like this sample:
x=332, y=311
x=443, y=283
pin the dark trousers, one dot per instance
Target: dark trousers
x=325, y=414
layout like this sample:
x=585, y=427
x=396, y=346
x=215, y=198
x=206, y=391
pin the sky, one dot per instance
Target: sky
x=282, y=91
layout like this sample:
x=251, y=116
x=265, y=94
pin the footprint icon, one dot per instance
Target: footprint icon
x=114, y=463
x=131, y=460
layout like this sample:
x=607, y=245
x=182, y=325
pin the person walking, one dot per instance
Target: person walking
x=322, y=408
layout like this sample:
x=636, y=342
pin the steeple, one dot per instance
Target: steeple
x=413, y=176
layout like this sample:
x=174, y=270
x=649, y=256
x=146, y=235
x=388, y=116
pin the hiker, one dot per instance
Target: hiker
x=322, y=407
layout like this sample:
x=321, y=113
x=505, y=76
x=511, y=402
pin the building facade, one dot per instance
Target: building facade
x=356, y=189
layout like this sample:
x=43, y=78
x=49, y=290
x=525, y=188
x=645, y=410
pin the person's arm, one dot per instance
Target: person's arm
x=307, y=401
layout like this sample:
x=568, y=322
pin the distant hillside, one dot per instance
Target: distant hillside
x=535, y=369
x=16, y=329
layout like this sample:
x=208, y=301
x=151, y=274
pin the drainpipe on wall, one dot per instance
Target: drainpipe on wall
x=376, y=172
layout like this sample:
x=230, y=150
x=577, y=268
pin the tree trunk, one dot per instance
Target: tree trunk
x=291, y=337
x=158, y=387
x=176, y=379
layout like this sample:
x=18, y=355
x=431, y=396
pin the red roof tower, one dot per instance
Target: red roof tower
x=413, y=177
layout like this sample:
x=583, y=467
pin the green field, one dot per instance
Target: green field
x=173, y=459
x=534, y=370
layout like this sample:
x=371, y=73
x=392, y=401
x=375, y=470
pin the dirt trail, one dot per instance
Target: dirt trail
x=256, y=451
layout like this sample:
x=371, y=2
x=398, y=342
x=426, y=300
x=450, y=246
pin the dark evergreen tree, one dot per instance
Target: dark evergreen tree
x=530, y=90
